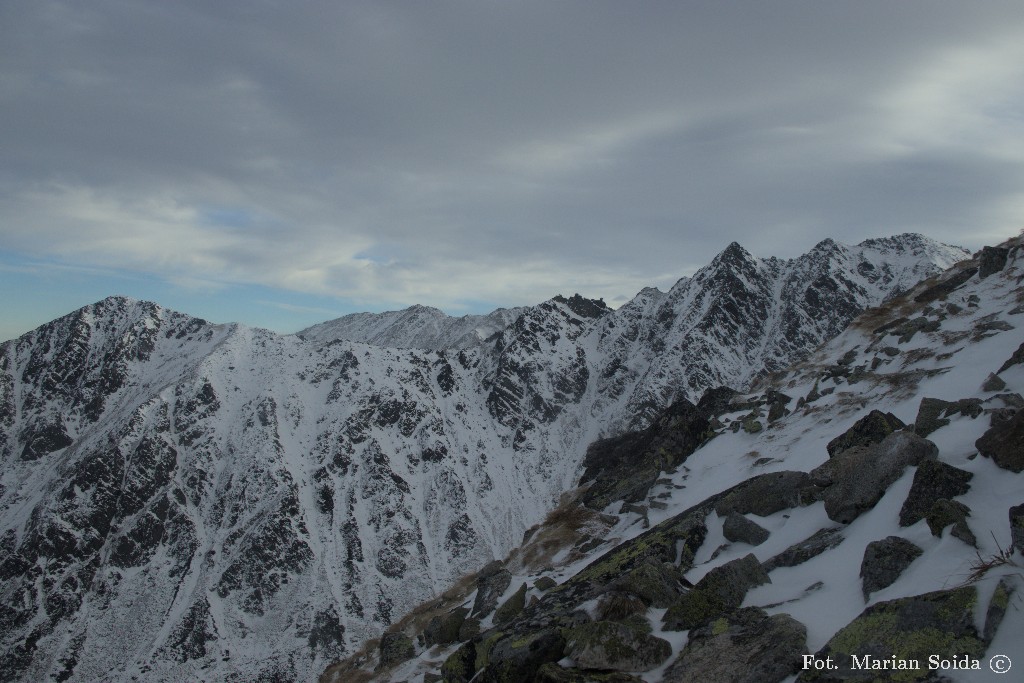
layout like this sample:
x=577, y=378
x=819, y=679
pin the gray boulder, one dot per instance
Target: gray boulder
x=798, y=553
x=444, y=628
x=945, y=512
x=884, y=561
x=721, y=590
x=872, y=428
x=1015, y=358
x=767, y=494
x=658, y=584
x=939, y=623
x=1004, y=443
x=612, y=645
x=991, y=260
x=934, y=413
x=739, y=529
x=553, y=673
x=395, y=648
x=933, y=480
x=511, y=607
x=492, y=581
x=746, y=646
x=512, y=659
x=857, y=478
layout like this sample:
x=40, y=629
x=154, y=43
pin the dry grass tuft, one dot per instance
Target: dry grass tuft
x=983, y=565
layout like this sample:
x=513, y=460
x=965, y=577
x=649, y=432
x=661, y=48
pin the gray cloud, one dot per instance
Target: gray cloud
x=498, y=152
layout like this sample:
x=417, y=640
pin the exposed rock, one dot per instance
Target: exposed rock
x=625, y=467
x=1015, y=359
x=944, y=288
x=872, y=428
x=470, y=628
x=658, y=584
x=511, y=607
x=993, y=383
x=492, y=581
x=798, y=553
x=884, y=561
x=991, y=260
x=544, y=583
x=552, y=673
x=721, y=590
x=619, y=605
x=933, y=480
x=912, y=628
x=739, y=529
x=444, y=628
x=751, y=424
x=858, y=477
x=997, y=607
x=395, y=648
x=934, y=413
x=1004, y=443
x=769, y=493
x=746, y=646
x=614, y=645
x=945, y=512
x=1017, y=527
x=514, y=659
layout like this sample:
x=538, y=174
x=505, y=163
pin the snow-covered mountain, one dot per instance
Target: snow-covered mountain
x=188, y=501
x=856, y=517
x=416, y=327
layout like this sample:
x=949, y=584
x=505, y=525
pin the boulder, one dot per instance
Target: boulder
x=395, y=648
x=997, y=605
x=912, y=628
x=1004, y=443
x=884, y=561
x=993, y=383
x=1017, y=527
x=798, y=553
x=545, y=583
x=746, y=646
x=658, y=584
x=492, y=581
x=618, y=606
x=1015, y=359
x=933, y=480
x=721, y=590
x=991, y=260
x=767, y=494
x=611, y=645
x=857, y=478
x=511, y=608
x=514, y=658
x=945, y=512
x=739, y=529
x=553, y=673
x=872, y=428
x=444, y=628
x=934, y=413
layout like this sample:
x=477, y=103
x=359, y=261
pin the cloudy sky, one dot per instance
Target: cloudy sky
x=282, y=163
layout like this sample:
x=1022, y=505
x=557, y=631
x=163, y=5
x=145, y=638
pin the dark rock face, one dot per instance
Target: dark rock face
x=395, y=648
x=939, y=623
x=884, y=561
x=945, y=512
x=609, y=645
x=492, y=581
x=856, y=479
x=444, y=629
x=625, y=467
x=769, y=493
x=1015, y=359
x=798, y=553
x=872, y=428
x=511, y=608
x=991, y=260
x=934, y=413
x=1016, y=515
x=518, y=659
x=946, y=286
x=721, y=590
x=1004, y=443
x=745, y=646
x=739, y=529
x=933, y=480
x=553, y=673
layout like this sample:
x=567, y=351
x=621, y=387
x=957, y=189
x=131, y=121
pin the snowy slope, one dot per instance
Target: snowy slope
x=944, y=339
x=416, y=327
x=181, y=500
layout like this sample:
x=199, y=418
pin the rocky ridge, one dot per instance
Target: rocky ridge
x=183, y=500
x=879, y=475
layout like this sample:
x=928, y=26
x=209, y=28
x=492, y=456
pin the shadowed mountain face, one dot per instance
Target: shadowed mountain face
x=181, y=500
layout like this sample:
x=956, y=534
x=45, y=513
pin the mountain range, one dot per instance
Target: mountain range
x=183, y=500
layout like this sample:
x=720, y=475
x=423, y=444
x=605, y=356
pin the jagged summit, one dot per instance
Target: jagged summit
x=181, y=500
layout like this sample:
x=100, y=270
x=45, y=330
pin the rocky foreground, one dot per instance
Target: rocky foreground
x=858, y=517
